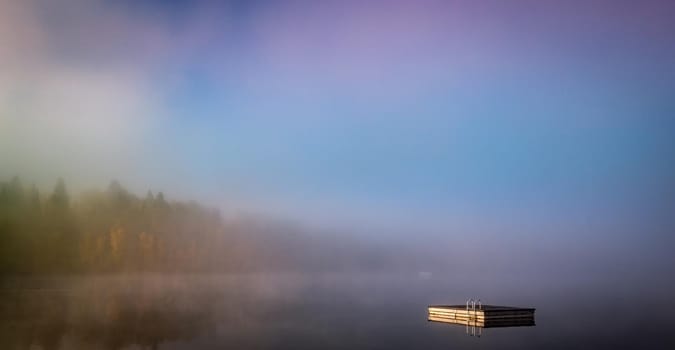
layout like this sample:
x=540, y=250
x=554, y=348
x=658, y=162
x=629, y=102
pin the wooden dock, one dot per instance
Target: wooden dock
x=485, y=316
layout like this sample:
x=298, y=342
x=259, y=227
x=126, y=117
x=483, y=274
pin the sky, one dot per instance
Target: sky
x=548, y=122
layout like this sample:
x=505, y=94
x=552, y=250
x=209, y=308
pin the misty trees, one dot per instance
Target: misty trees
x=100, y=231
x=36, y=234
x=11, y=221
x=60, y=199
x=63, y=234
x=116, y=231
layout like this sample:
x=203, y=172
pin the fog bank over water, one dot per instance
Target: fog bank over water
x=114, y=231
x=292, y=174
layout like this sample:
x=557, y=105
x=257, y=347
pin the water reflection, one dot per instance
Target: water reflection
x=106, y=315
x=474, y=327
x=305, y=312
x=516, y=322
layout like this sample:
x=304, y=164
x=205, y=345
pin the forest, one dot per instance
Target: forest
x=114, y=230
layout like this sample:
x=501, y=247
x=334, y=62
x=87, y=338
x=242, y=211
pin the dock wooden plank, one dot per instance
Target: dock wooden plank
x=484, y=316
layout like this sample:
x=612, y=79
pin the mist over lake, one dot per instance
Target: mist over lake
x=292, y=174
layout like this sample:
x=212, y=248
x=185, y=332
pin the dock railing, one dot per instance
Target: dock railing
x=472, y=303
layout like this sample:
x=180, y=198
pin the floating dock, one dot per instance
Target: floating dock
x=484, y=316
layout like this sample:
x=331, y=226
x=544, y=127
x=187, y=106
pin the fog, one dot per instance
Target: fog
x=461, y=147
x=469, y=141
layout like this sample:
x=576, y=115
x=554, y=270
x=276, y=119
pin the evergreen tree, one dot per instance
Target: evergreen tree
x=60, y=198
x=34, y=199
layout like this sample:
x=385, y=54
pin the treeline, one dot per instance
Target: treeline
x=110, y=230
x=117, y=231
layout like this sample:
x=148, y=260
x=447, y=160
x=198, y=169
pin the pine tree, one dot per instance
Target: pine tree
x=60, y=198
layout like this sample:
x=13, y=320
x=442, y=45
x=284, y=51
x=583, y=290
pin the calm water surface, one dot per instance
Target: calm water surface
x=328, y=311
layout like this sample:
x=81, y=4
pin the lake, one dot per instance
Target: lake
x=329, y=311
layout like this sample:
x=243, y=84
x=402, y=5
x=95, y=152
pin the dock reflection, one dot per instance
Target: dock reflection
x=519, y=322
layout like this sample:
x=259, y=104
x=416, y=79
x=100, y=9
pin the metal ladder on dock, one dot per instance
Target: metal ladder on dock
x=471, y=302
